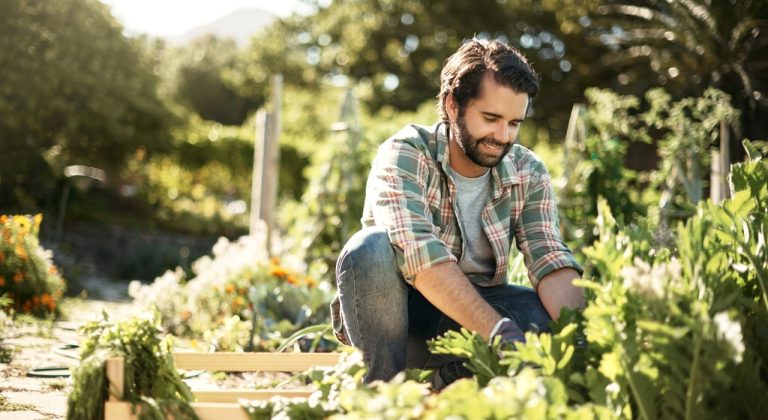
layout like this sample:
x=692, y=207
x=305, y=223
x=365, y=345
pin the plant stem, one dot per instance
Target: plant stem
x=640, y=404
x=761, y=277
x=690, y=393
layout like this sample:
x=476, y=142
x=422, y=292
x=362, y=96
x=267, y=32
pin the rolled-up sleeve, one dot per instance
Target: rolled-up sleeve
x=396, y=196
x=538, y=229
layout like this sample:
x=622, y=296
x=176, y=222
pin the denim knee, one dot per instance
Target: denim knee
x=370, y=250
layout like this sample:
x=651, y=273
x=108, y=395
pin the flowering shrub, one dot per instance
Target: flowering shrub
x=27, y=274
x=238, y=299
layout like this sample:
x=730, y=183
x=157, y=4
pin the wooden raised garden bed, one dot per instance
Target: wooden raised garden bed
x=220, y=404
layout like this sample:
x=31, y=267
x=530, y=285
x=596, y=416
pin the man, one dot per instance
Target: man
x=443, y=205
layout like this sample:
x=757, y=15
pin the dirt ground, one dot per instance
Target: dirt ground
x=43, y=345
x=40, y=346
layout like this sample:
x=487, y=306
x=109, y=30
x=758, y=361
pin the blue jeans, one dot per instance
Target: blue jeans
x=390, y=321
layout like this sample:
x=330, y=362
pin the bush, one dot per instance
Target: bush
x=27, y=274
x=239, y=298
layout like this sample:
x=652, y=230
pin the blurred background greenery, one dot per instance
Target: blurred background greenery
x=172, y=125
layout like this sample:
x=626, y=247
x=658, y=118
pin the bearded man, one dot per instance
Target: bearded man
x=443, y=205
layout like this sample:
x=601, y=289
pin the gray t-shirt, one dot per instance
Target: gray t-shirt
x=471, y=197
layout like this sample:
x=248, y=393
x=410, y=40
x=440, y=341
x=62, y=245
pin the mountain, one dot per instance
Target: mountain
x=239, y=25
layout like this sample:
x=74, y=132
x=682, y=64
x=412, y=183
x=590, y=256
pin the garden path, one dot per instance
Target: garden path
x=41, y=345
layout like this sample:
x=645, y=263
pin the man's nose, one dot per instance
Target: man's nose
x=502, y=132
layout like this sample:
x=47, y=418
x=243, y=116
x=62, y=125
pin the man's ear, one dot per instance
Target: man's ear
x=451, y=107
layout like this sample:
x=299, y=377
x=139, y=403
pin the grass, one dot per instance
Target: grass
x=6, y=405
x=56, y=385
x=6, y=354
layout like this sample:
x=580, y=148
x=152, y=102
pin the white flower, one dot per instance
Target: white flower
x=730, y=331
x=650, y=281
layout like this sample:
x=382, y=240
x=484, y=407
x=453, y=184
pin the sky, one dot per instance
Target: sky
x=167, y=18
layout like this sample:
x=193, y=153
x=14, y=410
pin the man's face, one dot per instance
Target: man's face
x=487, y=128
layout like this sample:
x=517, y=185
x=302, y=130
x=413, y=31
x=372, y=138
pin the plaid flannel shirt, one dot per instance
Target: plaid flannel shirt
x=411, y=194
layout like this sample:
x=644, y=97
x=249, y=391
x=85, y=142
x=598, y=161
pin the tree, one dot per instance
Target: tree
x=74, y=90
x=687, y=45
x=201, y=81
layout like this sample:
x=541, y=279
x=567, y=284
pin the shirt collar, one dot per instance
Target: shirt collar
x=504, y=174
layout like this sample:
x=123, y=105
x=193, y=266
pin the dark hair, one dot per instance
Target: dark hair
x=464, y=71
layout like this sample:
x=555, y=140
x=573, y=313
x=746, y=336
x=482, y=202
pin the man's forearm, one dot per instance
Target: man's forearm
x=445, y=286
x=557, y=291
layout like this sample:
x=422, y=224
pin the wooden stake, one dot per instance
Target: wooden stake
x=115, y=370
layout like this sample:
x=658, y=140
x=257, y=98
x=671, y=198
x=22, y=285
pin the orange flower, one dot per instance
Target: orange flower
x=275, y=260
x=3, y=219
x=310, y=282
x=2, y=281
x=278, y=272
x=53, y=270
x=230, y=288
x=21, y=252
x=18, y=277
x=2, y=257
x=292, y=280
x=27, y=307
x=239, y=301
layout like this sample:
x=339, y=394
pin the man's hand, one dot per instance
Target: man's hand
x=509, y=332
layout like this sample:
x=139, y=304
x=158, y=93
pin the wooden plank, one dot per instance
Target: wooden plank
x=218, y=411
x=235, y=395
x=115, y=371
x=254, y=362
x=118, y=410
x=206, y=411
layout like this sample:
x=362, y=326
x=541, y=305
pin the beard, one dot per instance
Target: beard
x=471, y=145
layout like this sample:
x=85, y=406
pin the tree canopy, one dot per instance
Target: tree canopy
x=75, y=90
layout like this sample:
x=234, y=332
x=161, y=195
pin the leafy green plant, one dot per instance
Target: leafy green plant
x=682, y=132
x=481, y=358
x=151, y=379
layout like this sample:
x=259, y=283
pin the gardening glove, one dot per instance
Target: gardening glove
x=509, y=332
